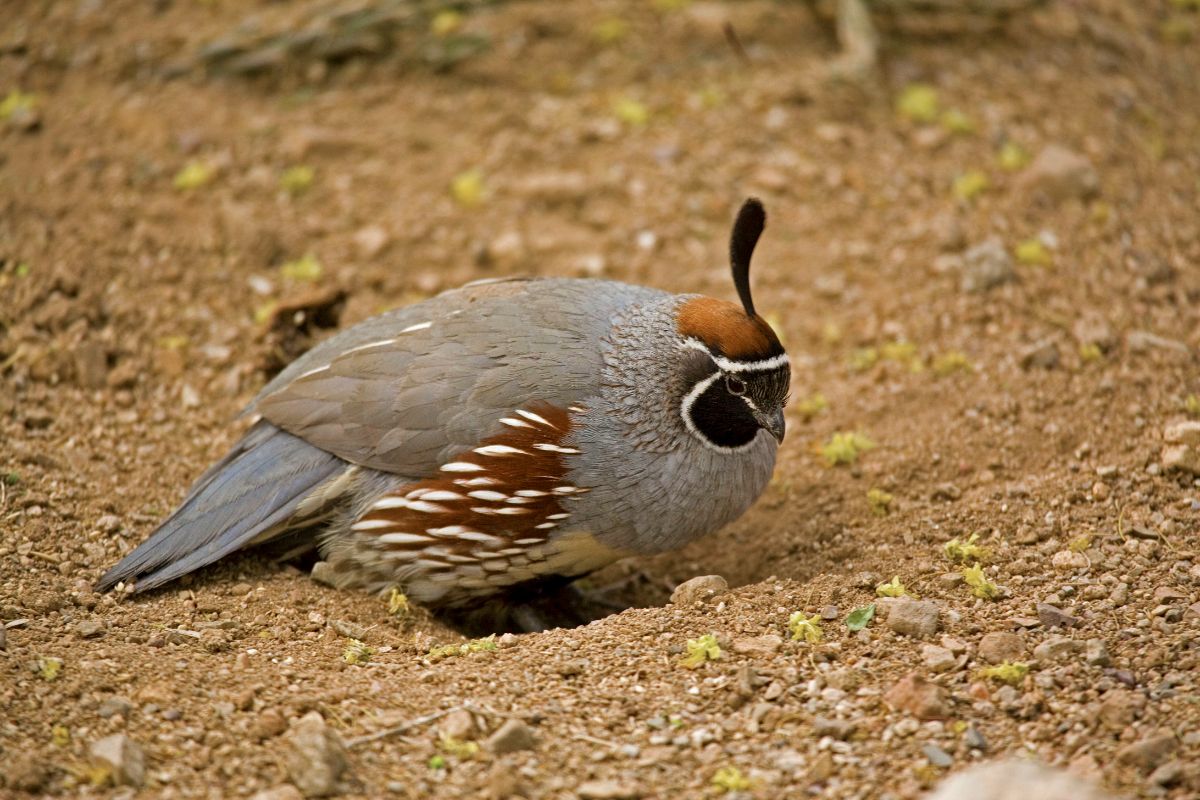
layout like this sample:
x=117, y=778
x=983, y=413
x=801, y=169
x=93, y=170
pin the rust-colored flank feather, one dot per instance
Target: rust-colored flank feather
x=727, y=330
x=484, y=518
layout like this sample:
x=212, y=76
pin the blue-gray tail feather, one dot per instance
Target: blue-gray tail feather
x=254, y=488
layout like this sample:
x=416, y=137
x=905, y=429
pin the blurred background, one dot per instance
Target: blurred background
x=981, y=252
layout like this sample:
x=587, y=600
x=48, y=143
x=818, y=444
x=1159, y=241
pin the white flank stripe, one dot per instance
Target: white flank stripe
x=515, y=423
x=369, y=346
x=420, y=326
x=372, y=524
x=390, y=502
x=565, y=489
x=545, y=526
x=428, y=508
x=462, y=466
x=576, y=409
x=558, y=516
x=403, y=538
x=449, y=530
x=553, y=448
x=519, y=501
x=476, y=481
x=312, y=372
x=488, y=494
x=512, y=511
x=530, y=493
x=528, y=541
x=529, y=415
x=512, y=551
x=441, y=495
x=499, y=450
x=482, y=538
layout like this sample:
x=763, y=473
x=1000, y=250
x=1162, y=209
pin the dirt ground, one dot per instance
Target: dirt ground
x=1014, y=337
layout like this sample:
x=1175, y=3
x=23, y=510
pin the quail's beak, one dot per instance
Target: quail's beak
x=773, y=423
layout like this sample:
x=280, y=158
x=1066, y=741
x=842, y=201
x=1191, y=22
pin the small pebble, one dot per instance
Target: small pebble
x=123, y=756
x=974, y=739
x=937, y=756
x=511, y=737
x=699, y=589
x=316, y=756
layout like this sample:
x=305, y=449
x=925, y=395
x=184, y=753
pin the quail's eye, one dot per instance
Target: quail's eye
x=734, y=385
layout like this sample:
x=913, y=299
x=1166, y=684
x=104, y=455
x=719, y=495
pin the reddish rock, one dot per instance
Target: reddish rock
x=919, y=697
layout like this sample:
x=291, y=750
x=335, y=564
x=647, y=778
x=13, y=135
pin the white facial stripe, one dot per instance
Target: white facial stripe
x=766, y=364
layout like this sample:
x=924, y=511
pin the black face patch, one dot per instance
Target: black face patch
x=723, y=418
x=727, y=408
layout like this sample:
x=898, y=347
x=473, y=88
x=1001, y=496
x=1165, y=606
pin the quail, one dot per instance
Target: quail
x=497, y=436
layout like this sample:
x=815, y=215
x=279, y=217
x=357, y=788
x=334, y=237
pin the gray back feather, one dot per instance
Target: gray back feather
x=422, y=393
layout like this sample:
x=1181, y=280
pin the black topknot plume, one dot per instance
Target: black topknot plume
x=748, y=226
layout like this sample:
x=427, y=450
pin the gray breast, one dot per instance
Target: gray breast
x=655, y=486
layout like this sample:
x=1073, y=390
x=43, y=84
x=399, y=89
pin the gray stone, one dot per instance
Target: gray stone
x=1042, y=354
x=698, y=589
x=322, y=572
x=111, y=706
x=841, y=729
x=109, y=523
x=459, y=724
x=938, y=659
x=1001, y=646
x=1060, y=174
x=917, y=618
x=1054, y=617
x=1119, y=709
x=974, y=739
x=1096, y=653
x=511, y=737
x=123, y=756
x=762, y=646
x=1016, y=779
x=986, y=266
x=1168, y=774
x=316, y=756
x=90, y=629
x=1148, y=753
x=1181, y=457
x=937, y=756
x=1058, y=648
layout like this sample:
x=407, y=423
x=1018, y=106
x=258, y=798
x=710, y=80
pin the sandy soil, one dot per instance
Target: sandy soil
x=615, y=139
